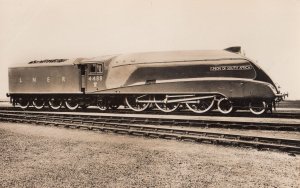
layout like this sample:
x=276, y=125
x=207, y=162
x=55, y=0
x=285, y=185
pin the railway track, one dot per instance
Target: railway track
x=168, y=120
x=213, y=113
x=150, y=128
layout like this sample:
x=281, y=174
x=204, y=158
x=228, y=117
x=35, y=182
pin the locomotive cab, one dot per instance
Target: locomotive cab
x=94, y=77
x=94, y=73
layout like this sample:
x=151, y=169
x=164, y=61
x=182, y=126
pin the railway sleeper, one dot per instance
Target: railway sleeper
x=268, y=143
x=138, y=133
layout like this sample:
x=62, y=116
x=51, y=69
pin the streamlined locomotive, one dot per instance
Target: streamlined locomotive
x=199, y=81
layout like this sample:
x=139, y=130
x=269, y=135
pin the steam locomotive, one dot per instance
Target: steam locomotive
x=199, y=81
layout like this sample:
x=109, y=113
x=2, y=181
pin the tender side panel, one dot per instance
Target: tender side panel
x=52, y=79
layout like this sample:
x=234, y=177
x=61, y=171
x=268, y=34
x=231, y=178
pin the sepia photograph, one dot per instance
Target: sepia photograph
x=149, y=93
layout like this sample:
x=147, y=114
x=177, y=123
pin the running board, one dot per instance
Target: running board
x=176, y=100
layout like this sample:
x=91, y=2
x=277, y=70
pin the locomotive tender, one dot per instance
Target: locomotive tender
x=197, y=80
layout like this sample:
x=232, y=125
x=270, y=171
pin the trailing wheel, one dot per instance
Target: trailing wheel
x=201, y=105
x=101, y=104
x=71, y=104
x=24, y=103
x=55, y=103
x=258, y=107
x=162, y=105
x=38, y=103
x=225, y=106
x=137, y=103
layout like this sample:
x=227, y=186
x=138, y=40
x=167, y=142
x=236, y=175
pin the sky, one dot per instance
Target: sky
x=267, y=30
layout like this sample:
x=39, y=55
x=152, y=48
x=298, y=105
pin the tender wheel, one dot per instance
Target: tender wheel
x=102, y=105
x=38, y=103
x=71, y=104
x=133, y=104
x=165, y=107
x=201, y=106
x=225, y=106
x=55, y=104
x=258, y=107
x=23, y=103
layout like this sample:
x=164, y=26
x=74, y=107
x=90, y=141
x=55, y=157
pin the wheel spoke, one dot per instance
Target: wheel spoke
x=164, y=106
x=201, y=106
x=133, y=104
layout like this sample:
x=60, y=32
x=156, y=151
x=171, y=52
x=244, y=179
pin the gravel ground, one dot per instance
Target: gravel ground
x=39, y=156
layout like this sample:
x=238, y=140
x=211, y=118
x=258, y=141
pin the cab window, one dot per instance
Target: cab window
x=96, y=68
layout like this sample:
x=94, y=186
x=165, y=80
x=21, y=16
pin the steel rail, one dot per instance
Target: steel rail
x=127, y=111
x=261, y=143
x=180, y=122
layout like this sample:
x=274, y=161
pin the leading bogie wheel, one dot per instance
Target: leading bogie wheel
x=258, y=107
x=225, y=106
